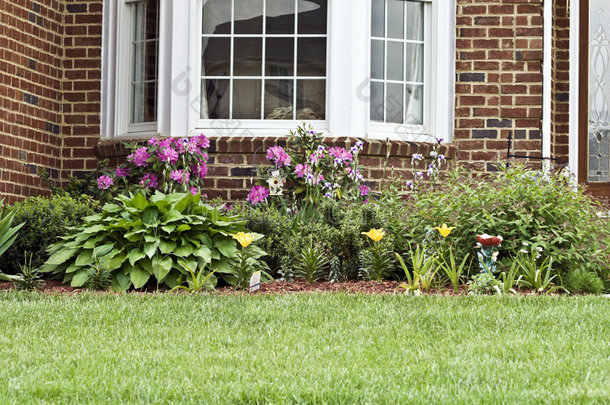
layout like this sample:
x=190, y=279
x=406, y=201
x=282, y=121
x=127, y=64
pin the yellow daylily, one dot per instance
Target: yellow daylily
x=375, y=234
x=444, y=230
x=243, y=238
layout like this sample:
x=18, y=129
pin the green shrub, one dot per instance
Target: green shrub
x=8, y=233
x=139, y=238
x=522, y=206
x=582, y=281
x=45, y=221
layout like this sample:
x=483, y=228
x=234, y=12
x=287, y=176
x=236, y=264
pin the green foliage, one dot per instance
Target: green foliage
x=100, y=277
x=143, y=239
x=509, y=280
x=196, y=282
x=335, y=226
x=453, y=271
x=520, y=205
x=582, y=281
x=424, y=270
x=311, y=263
x=79, y=187
x=45, y=220
x=8, y=233
x=377, y=262
x=534, y=276
x=482, y=283
x=245, y=263
x=28, y=278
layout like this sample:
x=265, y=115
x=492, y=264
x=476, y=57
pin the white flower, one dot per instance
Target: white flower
x=433, y=154
x=494, y=256
x=523, y=251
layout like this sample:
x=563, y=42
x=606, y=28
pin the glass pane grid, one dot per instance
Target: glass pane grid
x=397, y=62
x=269, y=63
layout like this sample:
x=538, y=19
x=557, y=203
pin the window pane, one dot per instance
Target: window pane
x=415, y=105
x=415, y=62
x=377, y=102
x=144, y=102
x=377, y=60
x=311, y=60
x=216, y=56
x=279, y=99
x=394, y=103
x=216, y=17
x=248, y=16
x=415, y=19
x=247, y=99
x=395, y=18
x=279, y=57
x=395, y=60
x=280, y=17
x=215, y=98
x=311, y=99
x=312, y=16
x=144, y=50
x=378, y=18
x=247, y=57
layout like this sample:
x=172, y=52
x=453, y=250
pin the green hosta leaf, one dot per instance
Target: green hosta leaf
x=171, y=216
x=161, y=268
x=112, y=208
x=73, y=268
x=123, y=280
x=184, y=203
x=91, y=243
x=139, y=202
x=183, y=251
x=150, y=215
x=203, y=253
x=225, y=246
x=138, y=276
x=85, y=258
x=183, y=228
x=135, y=255
x=79, y=279
x=117, y=261
x=169, y=228
x=172, y=279
x=103, y=250
x=94, y=229
x=61, y=256
x=167, y=246
x=150, y=249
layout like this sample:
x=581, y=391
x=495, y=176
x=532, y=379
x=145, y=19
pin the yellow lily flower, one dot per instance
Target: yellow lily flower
x=375, y=234
x=243, y=238
x=444, y=230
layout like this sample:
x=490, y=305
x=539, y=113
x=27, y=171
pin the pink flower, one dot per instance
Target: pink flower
x=140, y=157
x=152, y=141
x=168, y=155
x=165, y=143
x=302, y=170
x=364, y=190
x=194, y=190
x=200, y=170
x=122, y=172
x=181, y=176
x=149, y=180
x=203, y=141
x=193, y=147
x=257, y=194
x=104, y=182
x=279, y=156
x=340, y=154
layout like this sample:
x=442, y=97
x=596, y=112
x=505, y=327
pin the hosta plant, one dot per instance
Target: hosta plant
x=8, y=233
x=143, y=239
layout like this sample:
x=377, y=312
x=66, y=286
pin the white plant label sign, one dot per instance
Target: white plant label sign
x=255, y=282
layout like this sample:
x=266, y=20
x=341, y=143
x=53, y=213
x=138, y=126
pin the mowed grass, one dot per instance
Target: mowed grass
x=320, y=348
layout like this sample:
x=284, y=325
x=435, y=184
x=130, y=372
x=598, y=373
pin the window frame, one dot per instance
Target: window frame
x=347, y=72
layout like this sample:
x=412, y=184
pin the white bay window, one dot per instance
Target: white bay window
x=365, y=68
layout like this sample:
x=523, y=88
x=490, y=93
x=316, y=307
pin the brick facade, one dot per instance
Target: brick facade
x=50, y=73
x=49, y=91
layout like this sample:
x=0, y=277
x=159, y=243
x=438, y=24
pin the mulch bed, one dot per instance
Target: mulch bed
x=292, y=287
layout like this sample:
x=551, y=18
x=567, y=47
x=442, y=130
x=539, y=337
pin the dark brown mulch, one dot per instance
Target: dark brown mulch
x=49, y=286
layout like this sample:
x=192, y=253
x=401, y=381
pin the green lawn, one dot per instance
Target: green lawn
x=319, y=348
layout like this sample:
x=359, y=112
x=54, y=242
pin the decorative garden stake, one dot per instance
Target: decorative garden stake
x=487, y=254
x=276, y=181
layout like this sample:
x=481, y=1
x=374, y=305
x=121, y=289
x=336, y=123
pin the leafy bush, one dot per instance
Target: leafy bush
x=520, y=205
x=582, y=281
x=45, y=221
x=140, y=238
x=8, y=233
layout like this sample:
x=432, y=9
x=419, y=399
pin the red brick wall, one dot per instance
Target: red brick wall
x=49, y=91
x=499, y=79
x=30, y=94
x=560, y=101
